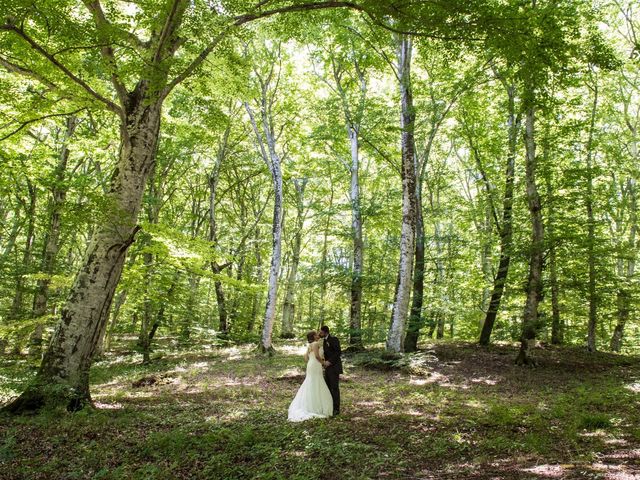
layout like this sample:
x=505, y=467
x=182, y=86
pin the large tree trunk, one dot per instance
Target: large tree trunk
x=355, y=310
x=289, y=307
x=534, y=282
x=408, y=172
x=63, y=377
x=506, y=226
x=52, y=243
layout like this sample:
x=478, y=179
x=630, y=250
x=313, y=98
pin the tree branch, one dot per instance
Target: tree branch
x=30, y=121
x=106, y=49
x=246, y=18
x=13, y=67
x=38, y=48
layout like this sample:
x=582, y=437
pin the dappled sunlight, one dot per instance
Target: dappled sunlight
x=616, y=441
x=297, y=350
x=616, y=472
x=625, y=454
x=108, y=406
x=476, y=404
x=634, y=387
x=547, y=471
x=236, y=352
x=484, y=380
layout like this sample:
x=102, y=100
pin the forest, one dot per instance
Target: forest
x=187, y=187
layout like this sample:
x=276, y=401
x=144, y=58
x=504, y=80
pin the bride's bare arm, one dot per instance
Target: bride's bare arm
x=316, y=352
x=306, y=356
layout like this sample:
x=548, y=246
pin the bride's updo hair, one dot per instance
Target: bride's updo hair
x=311, y=336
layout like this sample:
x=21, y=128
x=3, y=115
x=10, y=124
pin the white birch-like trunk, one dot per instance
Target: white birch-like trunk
x=267, y=144
x=407, y=121
x=355, y=323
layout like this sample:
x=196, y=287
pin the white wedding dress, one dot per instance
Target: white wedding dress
x=313, y=399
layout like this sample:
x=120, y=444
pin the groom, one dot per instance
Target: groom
x=333, y=366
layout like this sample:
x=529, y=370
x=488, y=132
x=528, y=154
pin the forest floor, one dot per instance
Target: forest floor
x=454, y=411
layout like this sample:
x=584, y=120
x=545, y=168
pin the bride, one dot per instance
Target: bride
x=313, y=399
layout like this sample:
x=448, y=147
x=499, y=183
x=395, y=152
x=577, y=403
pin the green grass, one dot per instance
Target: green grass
x=222, y=414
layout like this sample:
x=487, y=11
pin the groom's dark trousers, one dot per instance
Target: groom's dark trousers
x=332, y=353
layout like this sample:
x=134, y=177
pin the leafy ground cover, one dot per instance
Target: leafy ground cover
x=451, y=411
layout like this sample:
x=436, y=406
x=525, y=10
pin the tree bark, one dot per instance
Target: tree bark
x=267, y=144
x=408, y=172
x=415, y=317
x=534, y=282
x=63, y=377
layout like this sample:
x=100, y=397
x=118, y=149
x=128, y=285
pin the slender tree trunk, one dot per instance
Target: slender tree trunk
x=52, y=244
x=409, y=202
x=623, y=296
x=216, y=268
x=591, y=237
x=276, y=246
x=144, y=342
x=257, y=298
x=534, y=282
x=10, y=242
x=323, y=262
x=415, y=317
x=27, y=255
x=355, y=311
x=506, y=226
x=267, y=144
x=353, y=119
x=106, y=337
x=289, y=307
x=557, y=327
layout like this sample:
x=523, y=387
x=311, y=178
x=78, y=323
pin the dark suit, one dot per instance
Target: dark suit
x=332, y=354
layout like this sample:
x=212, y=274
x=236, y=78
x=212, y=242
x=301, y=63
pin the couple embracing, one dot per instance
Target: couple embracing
x=319, y=394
